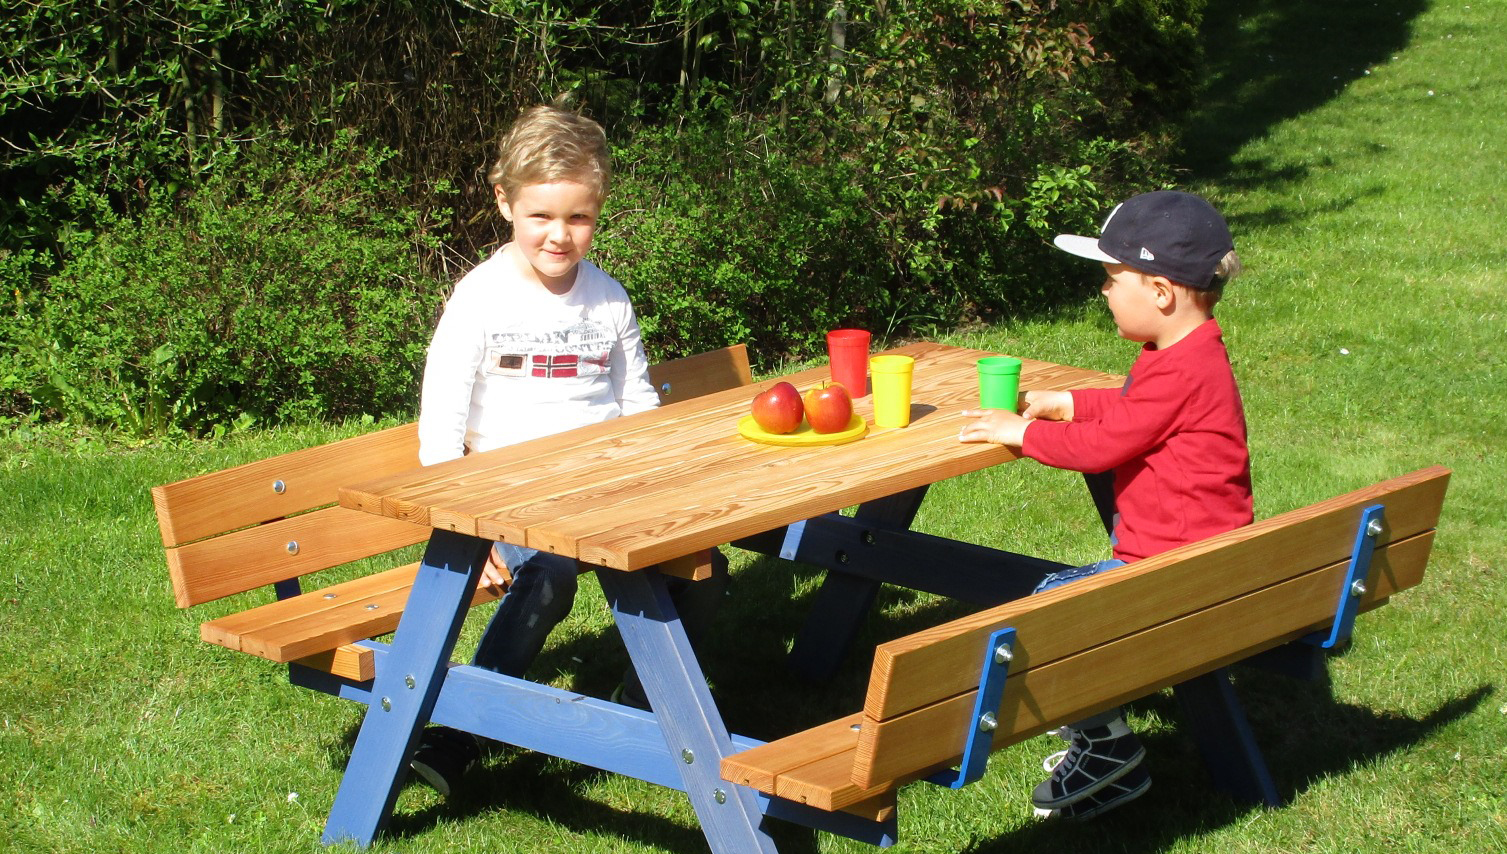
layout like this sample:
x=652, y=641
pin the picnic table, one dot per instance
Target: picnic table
x=627, y=495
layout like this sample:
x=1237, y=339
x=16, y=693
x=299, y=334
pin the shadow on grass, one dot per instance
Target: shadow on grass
x=1305, y=735
x=1269, y=61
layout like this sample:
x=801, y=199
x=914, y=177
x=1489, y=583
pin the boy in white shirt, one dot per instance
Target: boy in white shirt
x=534, y=341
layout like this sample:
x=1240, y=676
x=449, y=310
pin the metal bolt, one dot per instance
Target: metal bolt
x=331, y=595
x=868, y=538
x=664, y=389
x=293, y=547
x=842, y=557
x=1003, y=654
x=409, y=681
x=373, y=606
x=386, y=704
x=719, y=796
x=855, y=727
x=1358, y=588
x=987, y=723
x=279, y=487
x=687, y=756
x=1374, y=528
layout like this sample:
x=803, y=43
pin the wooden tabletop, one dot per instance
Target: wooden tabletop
x=635, y=491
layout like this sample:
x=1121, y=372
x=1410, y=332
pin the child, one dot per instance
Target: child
x=534, y=341
x=1173, y=438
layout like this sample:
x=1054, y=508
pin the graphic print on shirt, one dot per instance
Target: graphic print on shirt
x=583, y=349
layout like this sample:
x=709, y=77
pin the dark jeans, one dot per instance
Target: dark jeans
x=541, y=595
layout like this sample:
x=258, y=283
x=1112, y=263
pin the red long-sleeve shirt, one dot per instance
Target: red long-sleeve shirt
x=1174, y=435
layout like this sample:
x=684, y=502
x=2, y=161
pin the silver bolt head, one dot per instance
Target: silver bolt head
x=1003, y=654
x=987, y=722
x=1374, y=528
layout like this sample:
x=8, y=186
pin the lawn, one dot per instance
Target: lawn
x=1356, y=148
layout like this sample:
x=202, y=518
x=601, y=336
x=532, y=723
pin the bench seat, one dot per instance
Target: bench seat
x=275, y=521
x=1101, y=642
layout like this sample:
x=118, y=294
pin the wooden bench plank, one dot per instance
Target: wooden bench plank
x=947, y=659
x=321, y=620
x=214, y=503
x=1122, y=670
x=255, y=557
x=821, y=766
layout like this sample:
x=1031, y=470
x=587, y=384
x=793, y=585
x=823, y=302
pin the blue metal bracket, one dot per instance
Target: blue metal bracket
x=997, y=656
x=1371, y=526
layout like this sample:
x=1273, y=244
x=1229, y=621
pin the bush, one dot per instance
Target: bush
x=282, y=289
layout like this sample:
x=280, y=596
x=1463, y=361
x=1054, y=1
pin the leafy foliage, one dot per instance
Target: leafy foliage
x=278, y=292
x=783, y=167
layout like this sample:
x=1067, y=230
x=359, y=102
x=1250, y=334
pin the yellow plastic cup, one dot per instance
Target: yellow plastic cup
x=891, y=376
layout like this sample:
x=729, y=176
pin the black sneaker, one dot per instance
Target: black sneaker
x=443, y=757
x=1130, y=786
x=1099, y=756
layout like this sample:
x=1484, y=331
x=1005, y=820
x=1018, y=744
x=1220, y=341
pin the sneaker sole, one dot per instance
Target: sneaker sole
x=1088, y=812
x=435, y=779
x=1130, y=765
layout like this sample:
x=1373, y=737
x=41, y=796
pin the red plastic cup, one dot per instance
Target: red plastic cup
x=848, y=353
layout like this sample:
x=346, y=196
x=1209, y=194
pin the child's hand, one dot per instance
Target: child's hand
x=495, y=576
x=1000, y=426
x=1049, y=405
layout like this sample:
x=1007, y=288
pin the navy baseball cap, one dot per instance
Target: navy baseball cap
x=1164, y=233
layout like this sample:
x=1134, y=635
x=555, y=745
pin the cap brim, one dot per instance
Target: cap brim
x=1083, y=247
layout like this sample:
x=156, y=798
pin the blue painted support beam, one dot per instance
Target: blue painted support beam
x=405, y=689
x=998, y=653
x=1219, y=727
x=1372, y=523
x=975, y=574
x=594, y=732
x=842, y=604
x=693, y=729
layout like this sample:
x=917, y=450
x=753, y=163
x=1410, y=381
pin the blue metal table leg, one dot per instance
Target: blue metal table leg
x=406, y=686
x=1219, y=727
x=844, y=601
x=694, y=732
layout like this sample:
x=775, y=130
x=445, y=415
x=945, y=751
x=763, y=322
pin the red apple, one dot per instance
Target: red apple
x=829, y=408
x=779, y=409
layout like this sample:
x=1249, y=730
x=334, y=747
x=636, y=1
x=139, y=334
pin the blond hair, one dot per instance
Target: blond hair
x=548, y=144
x=1229, y=267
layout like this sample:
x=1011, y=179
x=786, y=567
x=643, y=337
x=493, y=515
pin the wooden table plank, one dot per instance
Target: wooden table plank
x=638, y=490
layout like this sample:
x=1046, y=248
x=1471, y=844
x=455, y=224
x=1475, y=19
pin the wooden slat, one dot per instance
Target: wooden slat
x=351, y=661
x=759, y=767
x=593, y=521
x=830, y=767
x=1122, y=670
x=237, y=497
x=945, y=661
x=321, y=620
x=255, y=557
x=703, y=373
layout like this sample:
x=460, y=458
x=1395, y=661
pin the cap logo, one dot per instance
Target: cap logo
x=1146, y=254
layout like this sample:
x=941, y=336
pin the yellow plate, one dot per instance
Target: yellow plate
x=803, y=435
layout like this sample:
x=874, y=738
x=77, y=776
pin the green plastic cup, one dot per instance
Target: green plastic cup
x=999, y=382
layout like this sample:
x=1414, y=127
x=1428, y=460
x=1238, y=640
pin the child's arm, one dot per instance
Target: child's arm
x=449, y=372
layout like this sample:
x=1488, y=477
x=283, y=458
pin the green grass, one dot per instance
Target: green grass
x=1367, y=335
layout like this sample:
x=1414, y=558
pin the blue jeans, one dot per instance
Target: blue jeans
x=1077, y=573
x=541, y=595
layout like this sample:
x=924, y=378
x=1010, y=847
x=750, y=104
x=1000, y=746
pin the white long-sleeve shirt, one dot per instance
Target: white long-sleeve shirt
x=511, y=361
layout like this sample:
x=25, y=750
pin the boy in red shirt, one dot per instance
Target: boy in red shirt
x=1173, y=438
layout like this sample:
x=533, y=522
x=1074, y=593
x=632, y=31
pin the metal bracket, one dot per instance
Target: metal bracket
x=1371, y=526
x=997, y=656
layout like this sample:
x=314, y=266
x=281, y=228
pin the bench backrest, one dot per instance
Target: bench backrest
x=1112, y=638
x=276, y=519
